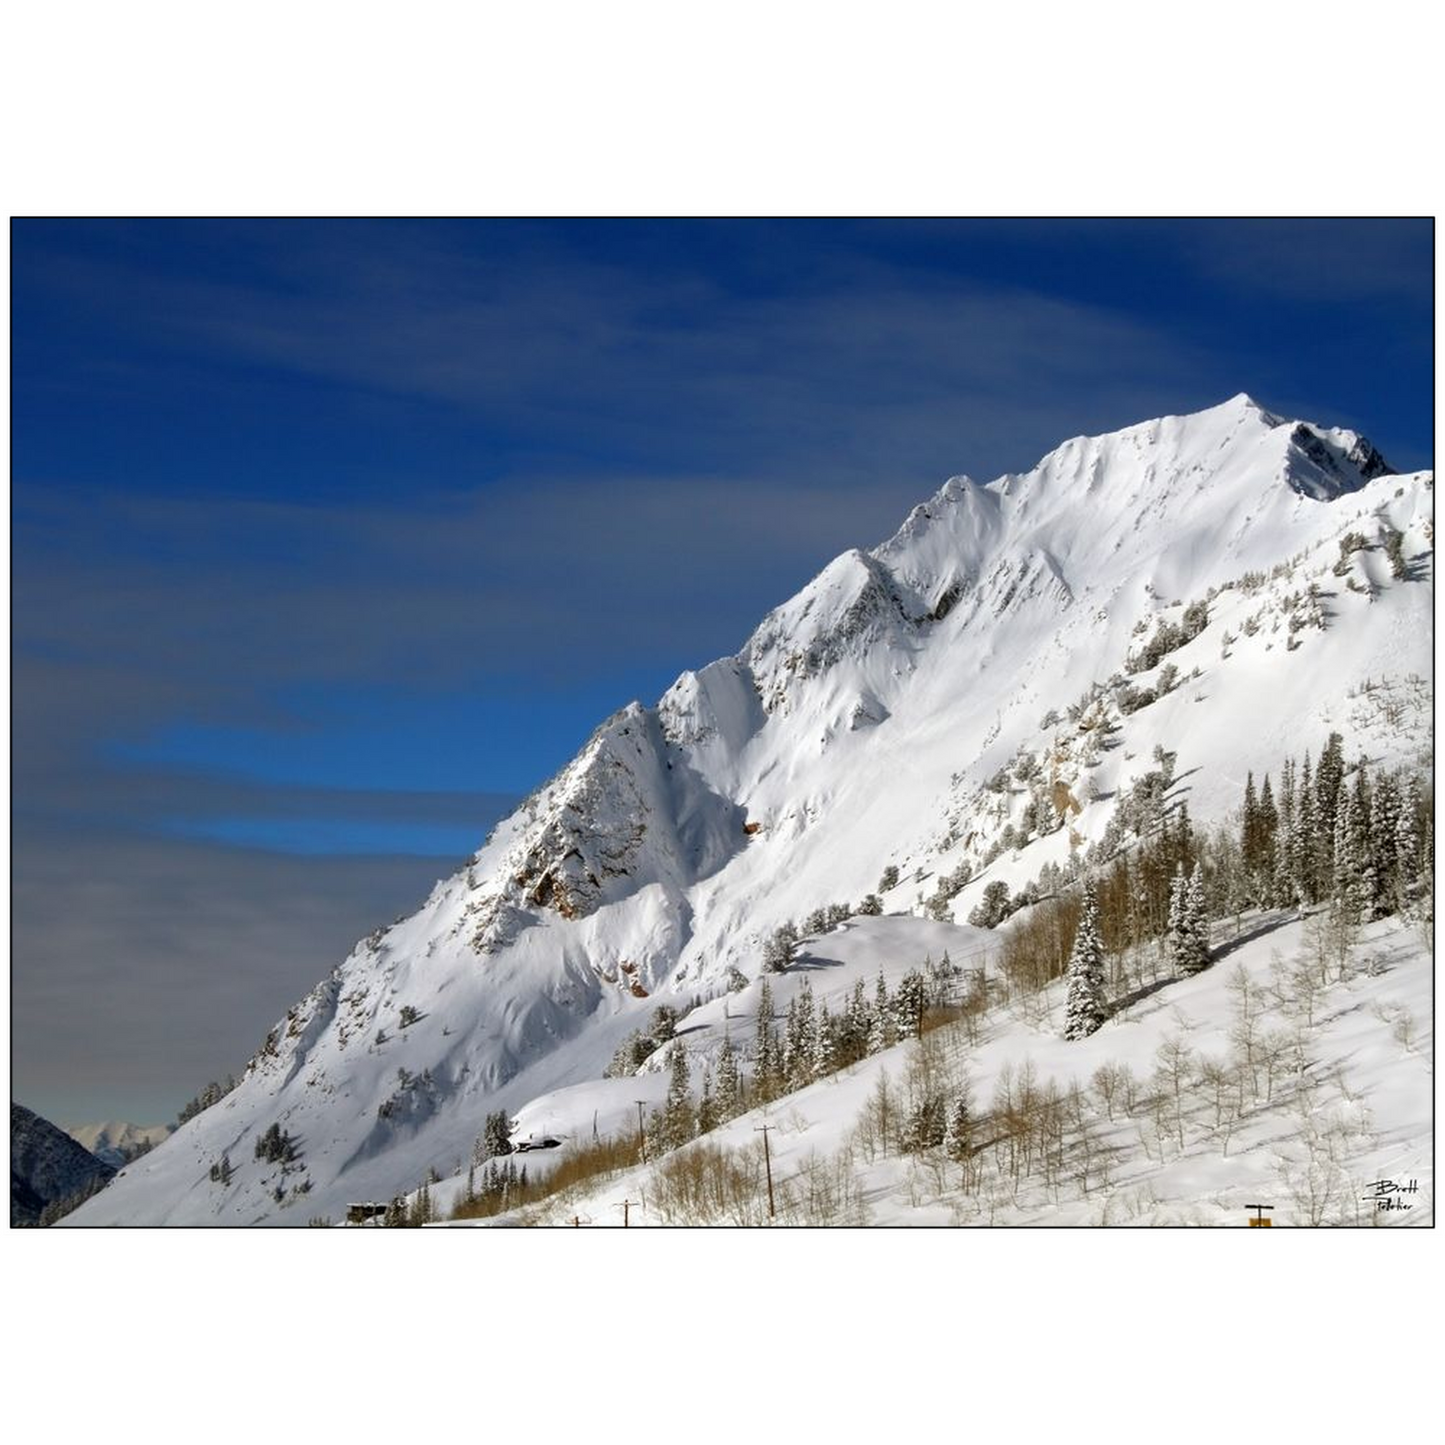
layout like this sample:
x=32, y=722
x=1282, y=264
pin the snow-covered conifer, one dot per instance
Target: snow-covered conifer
x=1329, y=777
x=678, y=1120
x=800, y=1039
x=707, y=1118
x=1284, y=889
x=1350, y=856
x=1407, y=838
x=1176, y=928
x=779, y=949
x=1192, y=953
x=767, y=1066
x=827, y=1054
x=1086, y=1008
x=857, y=1021
x=1268, y=828
x=1308, y=849
x=957, y=1142
x=1384, y=840
x=729, y=1085
x=882, y=1028
x=910, y=1003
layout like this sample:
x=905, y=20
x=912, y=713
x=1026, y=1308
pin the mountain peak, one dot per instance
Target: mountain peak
x=1242, y=403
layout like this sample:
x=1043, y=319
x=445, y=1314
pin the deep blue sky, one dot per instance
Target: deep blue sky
x=330, y=538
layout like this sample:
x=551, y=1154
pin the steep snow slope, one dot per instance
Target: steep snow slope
x=856, y=728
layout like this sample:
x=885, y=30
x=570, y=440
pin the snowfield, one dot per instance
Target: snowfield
x=864, y=724
x=1349, y=1105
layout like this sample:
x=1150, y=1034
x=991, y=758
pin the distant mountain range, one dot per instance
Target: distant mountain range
x=118, y=1143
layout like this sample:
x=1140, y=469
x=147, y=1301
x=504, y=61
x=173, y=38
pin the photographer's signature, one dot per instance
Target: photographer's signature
x=1388, y=1194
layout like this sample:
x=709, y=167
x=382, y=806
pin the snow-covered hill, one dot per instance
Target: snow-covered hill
x=1338, y=1101
x=864, y=724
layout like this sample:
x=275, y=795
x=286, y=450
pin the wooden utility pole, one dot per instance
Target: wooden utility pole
x=768, y=1165
x=626, y=1206
x=641, y=1132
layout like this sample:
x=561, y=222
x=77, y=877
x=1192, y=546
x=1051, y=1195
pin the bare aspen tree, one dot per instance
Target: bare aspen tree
x=1107, y=1084
x=1275, y=1050
x=1175, y=1064
x=1304, y=985
x=1244, y=1032
x=1217, y=1077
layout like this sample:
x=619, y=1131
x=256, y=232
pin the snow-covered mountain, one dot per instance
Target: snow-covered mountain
x=859, y=727
x=46, y=1166
x=115, y=1141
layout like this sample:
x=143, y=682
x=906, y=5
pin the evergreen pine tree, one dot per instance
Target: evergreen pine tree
x=1175, y=931
x=1182, y=843
x=1329, y=774
x=800, y=1038
x=909, y=1005
x=1249, y=829
x=882, y=1030
x=960, y=1127
x=1086, y=1008
x=1268, y=828
x=826, y=1051
x=729, y=1086
x=1284, y=889
x=790, y=1043
x=1349, y=859
x=678, y=1122
x=807, y=1046
x=1363, y=796
x=1407, y=840
x=1307, y=845
x=1384, y=840
x=497, y=1134
x=779, y=949
x=766, y=1064
x=707, y=1119
x=1193, y=951
x=856, y=1025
